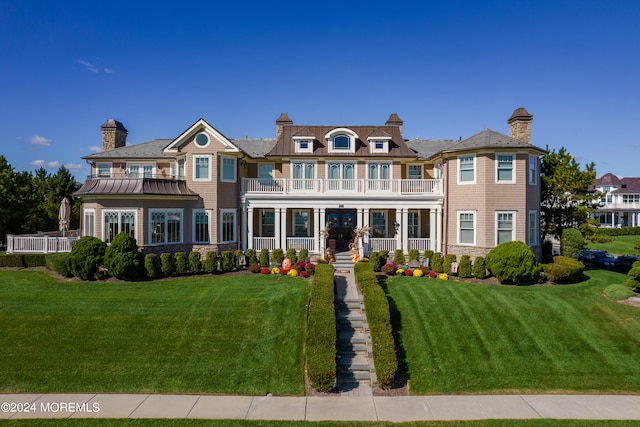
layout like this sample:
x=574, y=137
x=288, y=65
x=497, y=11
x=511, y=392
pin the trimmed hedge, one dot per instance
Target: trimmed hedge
x=437, y=262
x=465, y=268
x=152, y=266
x=479, y=268
x=181, y=263
x=623, y=231
x=563, y=270
x=58, y=263
x=446, y=265
x=379, y=320
x=321, y=330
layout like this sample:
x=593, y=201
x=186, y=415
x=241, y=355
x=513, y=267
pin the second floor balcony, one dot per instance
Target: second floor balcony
x=401, y=187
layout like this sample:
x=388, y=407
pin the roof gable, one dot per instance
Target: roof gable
x=200, y=126
x=489, y=139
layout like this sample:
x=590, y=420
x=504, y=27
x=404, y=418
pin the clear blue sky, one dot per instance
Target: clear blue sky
x=449, y=69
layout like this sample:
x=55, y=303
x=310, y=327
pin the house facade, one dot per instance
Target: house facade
x=311, y=186
x=620, y=201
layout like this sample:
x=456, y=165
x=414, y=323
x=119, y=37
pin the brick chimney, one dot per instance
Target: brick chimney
x=281, y=122
x=520, y=125
x=114, y=135
x=394, y=120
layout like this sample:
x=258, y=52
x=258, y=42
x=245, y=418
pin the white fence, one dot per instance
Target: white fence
x=39, y=244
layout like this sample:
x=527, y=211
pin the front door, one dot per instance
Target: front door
x=341, y=224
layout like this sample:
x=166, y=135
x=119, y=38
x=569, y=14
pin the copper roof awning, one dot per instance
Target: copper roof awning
x=134, y=186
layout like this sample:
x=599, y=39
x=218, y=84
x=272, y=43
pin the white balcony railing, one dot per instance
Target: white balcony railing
x=299, y=243
x=420, y=244
x=382, y=244
x=376, y=186
x=260, y=243
x=39, y=244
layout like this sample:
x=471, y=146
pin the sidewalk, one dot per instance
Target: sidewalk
x=325, y=408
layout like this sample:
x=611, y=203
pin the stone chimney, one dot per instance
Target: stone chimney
x=281, y=122
x=520, y=125
x=394, y=120
x=114, y=135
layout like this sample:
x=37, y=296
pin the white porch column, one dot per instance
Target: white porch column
x=247, y=237
x=366, y=221
x=438, y=247
x=276, y=226
x=316, y=230
x=399, y=229
x=405, y=230
x=322, y=241
x=433, y=229
x=283, y=229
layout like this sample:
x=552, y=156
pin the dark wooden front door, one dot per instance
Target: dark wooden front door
x=341, y=224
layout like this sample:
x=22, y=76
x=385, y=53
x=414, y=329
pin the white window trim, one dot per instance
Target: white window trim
x=202, y=156
x=513, y=225
x=193, y=224
x=374, y=141
x=175, y=166
x=475, y=227
x=341, y=132
x=475, y=170
x=380, y=162
x=419, y=225
x=513, y=169
x=235, y=168
x=341, y=163
x=536, y=231
x=308, y=140
x=196, y=137
x=141, y=166
x=315, y=168
x=385, y=216
x=92, y=232
x=293, y=222
x=221, y=226
x=536, y=174
x=120, y=211
x=421, y=170
x=167, y=211
x=98, y=174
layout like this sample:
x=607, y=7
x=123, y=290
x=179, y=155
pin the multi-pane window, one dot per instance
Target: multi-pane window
x=267, y=223
x=466, y=228
x=140, y=171
x=467, y=169
x=166, y=226
x=341, y=176
x=228, y=169
x=378, y=224
x=414, y=171
x=379, y=146
x=201, y=224
x=504, y=227
x=504, y=168
x=304, y=146
x=532, y=237
x=104, y=169
x=303, y=174
x=341, y=143
x=202, y=168
x=117, y=221
x=301, y=223
x=177, y=169
x=379, y=176
x=630, y=198
x=413, y=227
x=533, y=170
x=228, y=225
x=89, y=222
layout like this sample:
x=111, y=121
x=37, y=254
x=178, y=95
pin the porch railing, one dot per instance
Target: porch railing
x=299, y=243
x=260, y=243
x=382, y=244
x=393, y=186
x=420, y=244
x=39, y=244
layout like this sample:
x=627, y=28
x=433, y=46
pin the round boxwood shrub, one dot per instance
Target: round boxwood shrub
x=563, y=270
x=571, y=242
x=464, y=267
x=152, y=266
x=634, y=276
x=479, y=268
x=513, y=262
x=122, y=258
x=86, y=258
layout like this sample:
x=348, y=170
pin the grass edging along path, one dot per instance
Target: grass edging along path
x=215, y=334
x=467, y=338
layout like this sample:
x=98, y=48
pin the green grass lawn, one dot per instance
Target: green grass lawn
x=468, y=338
x=622, y=245
x=221, y=334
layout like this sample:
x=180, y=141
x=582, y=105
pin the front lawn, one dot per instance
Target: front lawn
x=621, y=245
x=468, y=338
x=220, y=334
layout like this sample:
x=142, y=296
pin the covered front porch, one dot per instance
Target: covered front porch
x=318, y=228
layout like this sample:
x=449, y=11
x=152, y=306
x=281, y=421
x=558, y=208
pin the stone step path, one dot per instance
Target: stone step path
x=356, y=376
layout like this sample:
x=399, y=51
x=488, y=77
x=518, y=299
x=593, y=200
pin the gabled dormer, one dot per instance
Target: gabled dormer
x=202, y=134
x=341, y=141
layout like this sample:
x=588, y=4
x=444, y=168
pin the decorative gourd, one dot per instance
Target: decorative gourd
x=286, y=264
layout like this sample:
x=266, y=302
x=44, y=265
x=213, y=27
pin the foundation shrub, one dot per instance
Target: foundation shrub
x=122, y=258
x=152, y=266
x=513, y=262
x=211, y=262
x=277, y=256
x=59, y=263
x=437, y=262
x=303, y=255
x=321, y=333
x=167, y=264
x=264, y=257
x=376, y=261
x=634, y=276
x=465, y=270
x=571, y=242
x=384, y=255
x=479, y=268
x=251, y=256
x=34, y=260
x=12, y=260
x=181, y=263
x=226, y=263
x=195, y=265
x=292, y=255
x=398, y=256
x=413, y=254
x=428, y=254
x=563, y=270
x=237, y=258
x=86, y=258
x=448, y=260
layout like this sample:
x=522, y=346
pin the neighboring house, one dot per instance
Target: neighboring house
x=203, y=191
x=620, y=201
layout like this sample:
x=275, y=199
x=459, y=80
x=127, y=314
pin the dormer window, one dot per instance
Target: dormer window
x=341, y=140
x=303, y=145
x=379, y=146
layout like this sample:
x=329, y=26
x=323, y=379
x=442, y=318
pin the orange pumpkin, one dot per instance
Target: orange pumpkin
x=286, y=264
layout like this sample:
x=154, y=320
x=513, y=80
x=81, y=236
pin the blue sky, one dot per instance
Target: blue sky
x=449, y=69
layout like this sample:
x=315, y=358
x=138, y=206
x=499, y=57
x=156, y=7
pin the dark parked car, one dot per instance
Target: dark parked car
x=626, y=262
x=599, y=259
